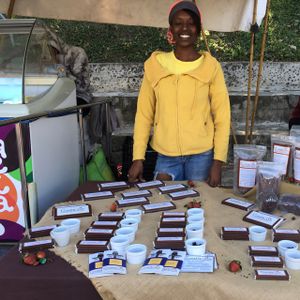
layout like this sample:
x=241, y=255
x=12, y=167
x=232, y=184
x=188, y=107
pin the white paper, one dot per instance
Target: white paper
x=132, y=200
x=243, y=229
x=72, y=210
x=238, y=202
x=94, y=243
x=198, y=264
x=281, y=155
x=267, y=258
x=170, y=230
x=37, y=243
x=113, y=184
x=158, y=205
x=271, y=272
x=105, y=223
x=136, y=193
x=98, y=194
x=247, y=173
x=264, y=248
x=149, y=183
x=171, y=187
x=183, y=193
x=297, y=165
x=263, y=217
x=173, y=220
x=42, y=228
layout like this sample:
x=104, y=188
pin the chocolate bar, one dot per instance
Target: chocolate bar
x=161, y=206
x=134, y=194
x=263, y=219
x=170, y=232
x=91, y=246
x=173, y=222
x=237, y=203
x=33, y=245
x=184, y=194
x=132, y=201
x=117, y=185
x=263, y=250
x=173, y=214
x=172, y=188
x=98, y=196
x=235, y=233
x=271, y=275
x=286, y=234
x=98, y=234
x=150, y=184
x=111, y=216
x=40, y=231
x=171, y=242
x=105, y=224
x=266, y=261
x=71, y=211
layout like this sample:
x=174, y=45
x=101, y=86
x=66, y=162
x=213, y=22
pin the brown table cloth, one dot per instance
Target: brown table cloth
x=57, y=280
x=218, y=285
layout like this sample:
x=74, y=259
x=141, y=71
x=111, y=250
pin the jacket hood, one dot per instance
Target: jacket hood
x=205, y=72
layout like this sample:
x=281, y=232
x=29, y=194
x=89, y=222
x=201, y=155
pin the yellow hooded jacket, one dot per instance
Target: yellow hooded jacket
x=189, y=113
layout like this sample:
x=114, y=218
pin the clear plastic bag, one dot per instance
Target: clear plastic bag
x=245, y=164
x=268, y=182
x=289, y=203
x=282, y=147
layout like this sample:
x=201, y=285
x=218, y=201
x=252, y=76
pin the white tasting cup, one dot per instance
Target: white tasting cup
x=119, y=243
x=129, y=232
x=285, y=245
x=195, y=246
x=61, y=235
x=73, y=224
x=257, y=233
x=136, y=254
x=194, y=230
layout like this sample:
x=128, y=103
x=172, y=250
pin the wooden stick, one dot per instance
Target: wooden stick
x=10, y=9
x=262, y=52
x=250, y=73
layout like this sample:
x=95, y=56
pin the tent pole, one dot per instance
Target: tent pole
x=261, y=60
x=250, y=72
x=10, y=9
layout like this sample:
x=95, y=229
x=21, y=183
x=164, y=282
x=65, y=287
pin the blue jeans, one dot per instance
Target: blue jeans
x=188, y=167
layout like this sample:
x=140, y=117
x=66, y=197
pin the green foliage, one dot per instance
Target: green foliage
x=116, y=43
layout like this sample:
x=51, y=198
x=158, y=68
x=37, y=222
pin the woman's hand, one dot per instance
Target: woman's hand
x=135, y=172
x=214, y=177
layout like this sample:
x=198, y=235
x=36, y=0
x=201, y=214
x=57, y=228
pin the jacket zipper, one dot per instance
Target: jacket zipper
x=178, y=138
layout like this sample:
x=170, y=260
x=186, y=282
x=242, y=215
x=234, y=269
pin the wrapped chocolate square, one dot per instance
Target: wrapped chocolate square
x=161, y=206
x=173, y=222
x=173, y=214
x=286, y=234
x=184, y=194
x=134, y=194
x=177, y=231
x=174, y=243
x=99, y=234
x=40, y=231
x=172, y=188
x=132, y=201
x=150, y=184
x=111, y=216
x=98, y=195
x=71, y=211
x=105, y=224
x=33, y=245
x=266, y=261
x=263, y=250
x=112, y=186
x=235, y=233
x=91, y=246
x=265, y=274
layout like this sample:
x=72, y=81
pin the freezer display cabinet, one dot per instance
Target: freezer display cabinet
x=31, y=82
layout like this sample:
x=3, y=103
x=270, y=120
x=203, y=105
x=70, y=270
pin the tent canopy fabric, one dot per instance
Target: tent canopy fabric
x=217, y=15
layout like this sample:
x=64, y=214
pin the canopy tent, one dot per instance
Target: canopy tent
x=217, y=15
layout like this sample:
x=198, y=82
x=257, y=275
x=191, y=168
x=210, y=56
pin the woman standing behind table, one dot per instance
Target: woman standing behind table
x=184, y=97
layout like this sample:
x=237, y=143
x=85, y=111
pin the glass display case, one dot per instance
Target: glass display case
x=27, y=66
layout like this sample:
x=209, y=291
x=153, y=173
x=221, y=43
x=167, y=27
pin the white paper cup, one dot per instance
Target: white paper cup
x=130, y=222
x=195, y=246
x=194, y=230
x=61, y=235
x=136, y=254
x=134, y=213
x=119, y=243
x=195, y=211
x=285, y=245
x=129, y=232
x=198, y=219
x=73, y=225
x=257, y=233
x=292, y=259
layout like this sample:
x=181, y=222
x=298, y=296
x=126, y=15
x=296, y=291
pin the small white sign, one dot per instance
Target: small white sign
x=72, y=210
